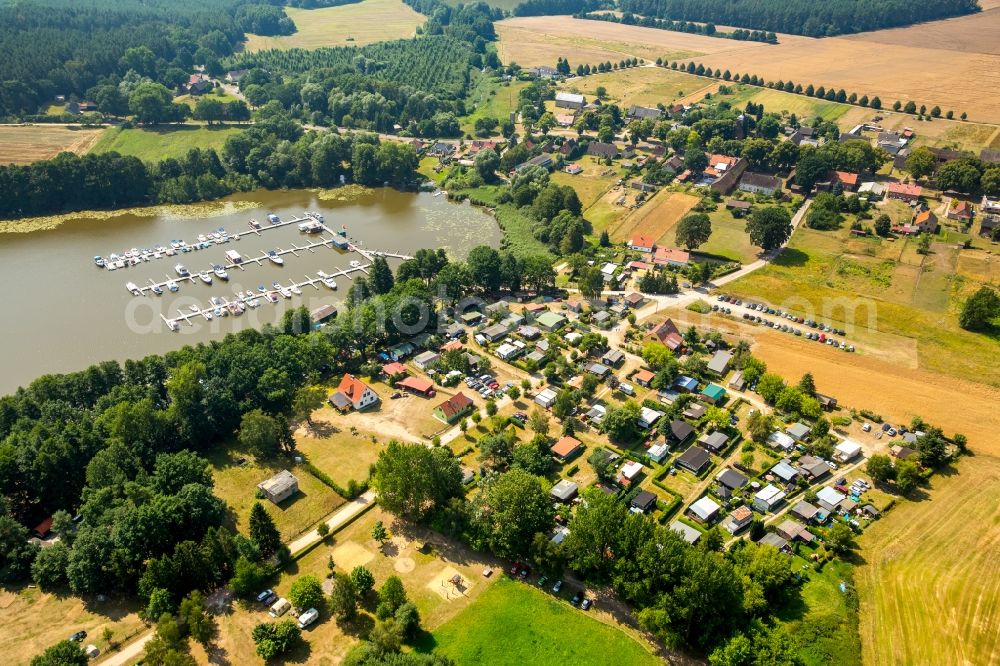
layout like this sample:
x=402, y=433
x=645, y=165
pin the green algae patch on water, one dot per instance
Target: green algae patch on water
x=345, y=193
x=168, y=211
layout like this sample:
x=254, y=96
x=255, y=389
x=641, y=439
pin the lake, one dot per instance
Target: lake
x=65, y=313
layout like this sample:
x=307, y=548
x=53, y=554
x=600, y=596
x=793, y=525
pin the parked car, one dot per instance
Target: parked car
x=585, y=605
x=576, y=599
x=78, y=636
x=308, y=618
x=266, y=597
x=557, y=586
x=542, y=580
x=866, y=427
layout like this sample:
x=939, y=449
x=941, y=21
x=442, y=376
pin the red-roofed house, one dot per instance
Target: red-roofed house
x=454, y=408
x=639, y=265
x=566, y=448
x=904, y=192
x=961, y=211
x=642, y=243
x=848, y=180
x=643, y=377
x=417, y=385
x=393, y=369
x=669, y=256
x=43, y=528
x=451, y=346
x=353, y=394
x=668, y=334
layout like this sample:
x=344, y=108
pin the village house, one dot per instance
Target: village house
x=648, y=416
x=813, y=468
x=804, y=511
x=279, y=487
x=668, y=256
x=784, y=471
x=643, y=502
x=417, y=385
x=658, y=452
x=731, y=479
x=642, y=243
x=739, y=519
x=902, y=452
x=680, y=430
x=960, y=210
x=688, y=533
x=573, y=169
x=768, y=497
x=613, y=358
x=829, y=498
x=780, y=440
x=847, y=180
x=719, y=365
x=724, y=172
x=668, y=333
x=602, y=150
x=426, y=359
x=629, y=473
x=791, y=530
x=847, y=451
x=695, y=460
x=713, y=393
x=713, y=441
x=760, y=183
x=565, y=491
x=565, y=119
x=643, y=113
x=352, y=393
x=803, y=135
x=704, y=510
x=871, y=190
x=567, y=448
x=454, y=408
x=798, y=431
x=643, y=377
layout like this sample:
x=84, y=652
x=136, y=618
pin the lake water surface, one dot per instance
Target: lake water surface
x=62, y=313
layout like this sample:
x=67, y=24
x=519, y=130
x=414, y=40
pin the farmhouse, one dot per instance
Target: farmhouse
x=768, y=497
x=704, y=510
x=565, y=100
x=738, y=519
x=454, y=408
x=726, y=171
x=760, y=183
x=695, y=460
x=565, y=491
x=567, y=448
x=352, y=393
x=643, y=113
x=279, y=487
x=719, y=364
x=668, y=334
x=961, y=211
x=904, y=192
x=668, y=256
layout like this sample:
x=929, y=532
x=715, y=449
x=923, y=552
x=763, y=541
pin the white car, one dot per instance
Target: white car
x=867, y=427
x=308, y=618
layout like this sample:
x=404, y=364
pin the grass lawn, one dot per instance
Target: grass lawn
x=155, y=144
x=515, y=623
x=342, y=455
x=356, y=24
x=491, y=99
x=592, y=183
x=34, y=620
x=729, y=238
x=645, y=86
x=517, y=232
x=237, y=485
x=928, y=587
x=805, y=108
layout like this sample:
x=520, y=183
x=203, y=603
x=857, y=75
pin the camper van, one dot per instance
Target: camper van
x=308, y=618
x=280, y=607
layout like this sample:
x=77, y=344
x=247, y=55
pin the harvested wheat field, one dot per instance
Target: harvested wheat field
x=928, y=587
x=645, y=86
x=24, y=144
x=657, y=218
x=346, y=25
x=926, y=68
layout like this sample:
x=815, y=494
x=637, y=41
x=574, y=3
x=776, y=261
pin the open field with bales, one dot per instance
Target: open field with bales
x=356, y=24
x=24, y=144
x=645, y=86
x=656, y=219
x=33, y=620
x=549, y=631
x=155, y=144
x=888, y=64
x=928, y=586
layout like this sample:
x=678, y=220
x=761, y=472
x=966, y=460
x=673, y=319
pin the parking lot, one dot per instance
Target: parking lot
x=786, y=322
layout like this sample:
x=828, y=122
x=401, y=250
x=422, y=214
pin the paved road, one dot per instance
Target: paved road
x=342, y=516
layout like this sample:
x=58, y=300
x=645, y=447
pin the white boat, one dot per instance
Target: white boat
x=355, y=264
x=219, y=312
x=202, y=238
x=234, y=257
x=220, y=272
x=285, y=292
x=254, y=224
x=181, y=270
x=275, y=258
x=273, y=219
x=99, y=261
x=157, y=289
x=172, y=325
x=194, y=308
x=207, y=315
x=172, y=286
x=170, y=252
x=295, y=290
x=133, y=288
x=329, y=282
x=205, y=277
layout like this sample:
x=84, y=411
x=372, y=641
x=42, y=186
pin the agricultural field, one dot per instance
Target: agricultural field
x=657, y=218
x=549, y=631
x=645, y=86
x=881, y=63
x=236, y=483
x=24, y=144
x=356, y=24
x=805, y=108
x=928, y=586
x=155, y=144
x=33, y=620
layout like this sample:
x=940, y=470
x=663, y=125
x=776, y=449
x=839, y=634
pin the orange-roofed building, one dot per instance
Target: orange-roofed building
x=567, y=447
x=353, y=394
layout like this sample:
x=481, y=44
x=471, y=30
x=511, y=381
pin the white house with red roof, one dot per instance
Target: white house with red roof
x=353, y=394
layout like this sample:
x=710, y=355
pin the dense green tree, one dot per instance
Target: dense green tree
x=693, y=230
x=306, y=592
x=63, y=653
x=263, y=532
x=769, y=227
x=620, y=423
x=980, y=309
x=273, y=639
x=921, y=162
x=880, y=468
x=260, y=434
x=413, y=480
x=510, y=510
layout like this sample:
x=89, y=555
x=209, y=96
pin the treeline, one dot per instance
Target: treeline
x=470, y=22
x=59, y=47
x=706, y=29
x=814, y=18
x=558, y=7
x=275, y=153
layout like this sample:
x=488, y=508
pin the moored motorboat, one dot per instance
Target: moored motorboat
x=285, y=292
x=172, y=286
x=254, y=224
x=273, y=219
x=157, y=289
x=133, y=289
x=205, y=277
x=99, y=261
x=172, y=325
x=271, y=296
x=295, y=290
x=275, y=258
x=220, y=272
x=181, y=270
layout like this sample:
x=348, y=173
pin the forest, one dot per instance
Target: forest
x=707, y=29
x=814, y=18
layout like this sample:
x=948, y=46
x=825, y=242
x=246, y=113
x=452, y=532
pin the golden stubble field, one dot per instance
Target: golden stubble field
x=921, y=63
x=347, y=25
x=24, y=144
